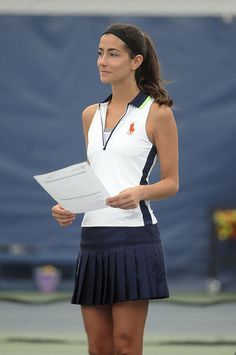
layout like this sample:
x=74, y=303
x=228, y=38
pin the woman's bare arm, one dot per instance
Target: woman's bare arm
x=162, y=131
x=63, y=217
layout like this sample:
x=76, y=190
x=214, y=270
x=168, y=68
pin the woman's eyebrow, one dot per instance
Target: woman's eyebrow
x=109, y=49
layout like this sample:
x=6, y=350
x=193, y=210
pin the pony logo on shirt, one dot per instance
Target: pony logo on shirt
x=131, y=128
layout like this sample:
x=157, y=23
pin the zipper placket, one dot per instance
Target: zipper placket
x=101, y=125
x=104, y=146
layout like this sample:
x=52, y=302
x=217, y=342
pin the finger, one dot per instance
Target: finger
x=125, y=204
x=64, y=218
x=62, y=214
x=117, y=201
x=113, y=199
x=58, y=209
x=67, y=220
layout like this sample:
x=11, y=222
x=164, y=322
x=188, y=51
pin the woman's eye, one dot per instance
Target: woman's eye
x=114, y=55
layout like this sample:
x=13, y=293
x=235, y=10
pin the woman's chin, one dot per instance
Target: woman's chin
x=105, y=80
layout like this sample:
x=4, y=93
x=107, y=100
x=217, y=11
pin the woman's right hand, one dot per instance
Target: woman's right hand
x=62, y=216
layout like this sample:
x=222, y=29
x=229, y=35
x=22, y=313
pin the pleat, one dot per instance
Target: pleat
x=105, y=288
x=88, y=290
x=131, y=278
x=111, y=276
x=156, y=271
x=80, y=273
x=108, y=273
x=99, y=277
x=142, y=276
x=151, y=271
x=119, y=294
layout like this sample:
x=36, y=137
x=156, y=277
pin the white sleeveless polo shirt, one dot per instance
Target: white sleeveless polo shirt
x=124, y=161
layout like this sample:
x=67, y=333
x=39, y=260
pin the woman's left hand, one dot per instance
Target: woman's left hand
x=127, y=199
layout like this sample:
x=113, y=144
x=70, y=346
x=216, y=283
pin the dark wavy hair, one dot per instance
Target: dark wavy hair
x=148, y=75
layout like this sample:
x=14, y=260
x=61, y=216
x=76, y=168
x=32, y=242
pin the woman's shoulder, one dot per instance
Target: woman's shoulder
x=89, y=111
x=160, y=118
x=88, y=114
x=160, y=111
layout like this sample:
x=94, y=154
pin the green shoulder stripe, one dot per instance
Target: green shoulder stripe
x=145, y=102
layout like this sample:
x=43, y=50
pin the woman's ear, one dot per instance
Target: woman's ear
x=137, y=61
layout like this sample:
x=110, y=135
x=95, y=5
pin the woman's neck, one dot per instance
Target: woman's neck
x=123, y=94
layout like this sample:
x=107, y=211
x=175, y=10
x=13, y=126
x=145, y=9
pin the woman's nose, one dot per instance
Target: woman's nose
x=102, y=60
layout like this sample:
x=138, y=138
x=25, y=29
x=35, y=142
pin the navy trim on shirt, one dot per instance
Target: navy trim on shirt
x=147, y=167
x=137, y=101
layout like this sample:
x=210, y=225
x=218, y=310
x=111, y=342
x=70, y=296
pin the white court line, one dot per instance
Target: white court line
x=226, y=8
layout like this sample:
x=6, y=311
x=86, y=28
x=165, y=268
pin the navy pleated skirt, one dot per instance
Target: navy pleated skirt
x=118, y=264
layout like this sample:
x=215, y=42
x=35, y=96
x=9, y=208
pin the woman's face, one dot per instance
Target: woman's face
x=114, y=63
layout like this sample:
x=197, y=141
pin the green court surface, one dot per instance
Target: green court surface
x=186, y=324
x=153, y=345
x=195, y=299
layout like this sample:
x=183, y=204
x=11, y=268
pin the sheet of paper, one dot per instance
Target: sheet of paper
x=76, y=188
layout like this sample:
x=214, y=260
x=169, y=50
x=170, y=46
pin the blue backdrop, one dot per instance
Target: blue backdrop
x=48, y=76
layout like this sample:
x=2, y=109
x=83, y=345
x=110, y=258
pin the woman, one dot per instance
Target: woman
x=121, y=264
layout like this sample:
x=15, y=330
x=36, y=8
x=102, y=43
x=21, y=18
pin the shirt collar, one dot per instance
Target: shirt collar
x=137, y=101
